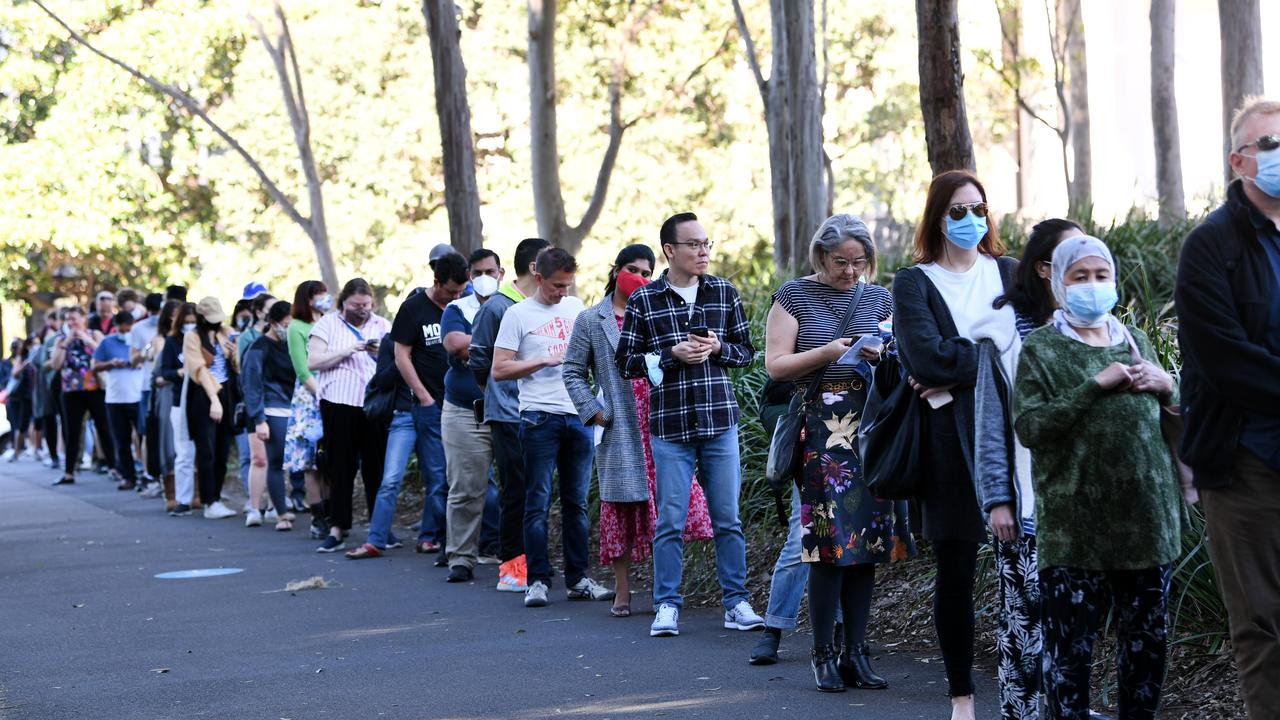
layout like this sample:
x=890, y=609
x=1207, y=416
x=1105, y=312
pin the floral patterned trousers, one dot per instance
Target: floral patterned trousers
x=1018, y=635
x=1075, y=603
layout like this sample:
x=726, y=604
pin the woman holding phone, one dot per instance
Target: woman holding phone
x=944, y=308
x=342, y=352
x=842, y=532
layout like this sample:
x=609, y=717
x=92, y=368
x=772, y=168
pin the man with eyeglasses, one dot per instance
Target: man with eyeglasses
x=684, y=331
x=1228, y=302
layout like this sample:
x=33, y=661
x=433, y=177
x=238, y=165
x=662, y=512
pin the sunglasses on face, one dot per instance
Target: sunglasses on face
x=959, y=210
x=1264, y=143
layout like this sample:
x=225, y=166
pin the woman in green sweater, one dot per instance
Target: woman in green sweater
x=310, y=301
x=1107, y=501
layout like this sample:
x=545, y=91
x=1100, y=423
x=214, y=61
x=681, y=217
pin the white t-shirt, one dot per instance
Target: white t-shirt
x=688, y=294
x=140, y=337
x=469, y=305
x=534, y=330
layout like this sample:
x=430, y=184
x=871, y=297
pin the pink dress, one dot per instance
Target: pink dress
x=629, y=527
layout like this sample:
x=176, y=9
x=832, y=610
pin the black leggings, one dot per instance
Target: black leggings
x=848, y=587
x=351, y=443
x=277, y=428
x=49, y=426
x=212, y=440
x=74, y=405
x=953, y=611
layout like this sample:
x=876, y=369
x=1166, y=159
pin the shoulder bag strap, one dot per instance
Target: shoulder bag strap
x=812, y=392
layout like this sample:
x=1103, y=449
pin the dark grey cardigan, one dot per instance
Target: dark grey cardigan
x=620, y=458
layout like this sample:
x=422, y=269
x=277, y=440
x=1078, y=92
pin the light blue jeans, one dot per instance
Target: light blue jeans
x=719, y=469
x=416, y=430
x=790, y=576
x=242, y=449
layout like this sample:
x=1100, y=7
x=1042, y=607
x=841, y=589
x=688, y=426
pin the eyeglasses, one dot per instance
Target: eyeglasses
x=856, y=264
x=698, y=244
x=959, y=210
x=1264, y=143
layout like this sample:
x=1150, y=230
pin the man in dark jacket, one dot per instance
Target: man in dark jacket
x=1228, y=302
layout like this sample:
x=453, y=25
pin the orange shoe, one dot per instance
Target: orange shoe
x=513, y=575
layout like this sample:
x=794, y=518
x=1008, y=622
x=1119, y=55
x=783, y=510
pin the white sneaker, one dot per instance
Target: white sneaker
x=536, y=595
x=742, y=617
x=8, y=455
x=27, y=455
x=271, y=516
x=217, y=511
x=588, y=589
x=667, y=623
x=253, y=518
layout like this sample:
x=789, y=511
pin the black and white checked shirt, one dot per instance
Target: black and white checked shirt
x=694, y=402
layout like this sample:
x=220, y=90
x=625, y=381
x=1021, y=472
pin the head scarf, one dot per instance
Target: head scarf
x=1068, y=253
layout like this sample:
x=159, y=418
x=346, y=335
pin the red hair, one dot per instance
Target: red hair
x=929, y=238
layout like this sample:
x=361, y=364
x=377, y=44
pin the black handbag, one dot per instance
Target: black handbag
x=786, y=451
x=380, y=391
x=890, y=435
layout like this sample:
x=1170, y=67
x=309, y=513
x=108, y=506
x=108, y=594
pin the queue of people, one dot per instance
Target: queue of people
x=1046, y=423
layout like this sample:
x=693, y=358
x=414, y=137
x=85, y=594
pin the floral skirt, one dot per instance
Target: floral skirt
x=841, y=523
x=304, y=431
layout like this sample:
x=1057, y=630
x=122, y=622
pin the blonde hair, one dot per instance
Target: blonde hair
x=1253, y=105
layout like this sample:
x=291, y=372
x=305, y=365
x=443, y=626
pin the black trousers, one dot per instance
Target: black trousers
x=1075, y=603
x=953, y=611
x=123, y=418
x=212, y=440
x=49, y=426
x=153, y=435
x=74, y=406
x=510, y=459
x=351, y=443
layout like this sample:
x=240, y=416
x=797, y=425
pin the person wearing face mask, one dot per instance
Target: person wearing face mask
x=268, y=389
x=1086, y=395
x=82, y=393
x=172, y=374
x=943, y=307
x=342, y=352
x=249, y=318
x=1228, y=301
x=471, y=522
x=213, y=367
x=311, y=300
x=620, y=414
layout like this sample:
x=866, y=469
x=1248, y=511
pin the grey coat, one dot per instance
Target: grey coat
x=620, y=457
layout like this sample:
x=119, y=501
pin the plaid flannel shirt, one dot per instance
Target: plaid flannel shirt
x=694, y=402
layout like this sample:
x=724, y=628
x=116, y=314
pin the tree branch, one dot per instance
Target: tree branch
x=752, y=59
x=194, y=108
x=287, y=41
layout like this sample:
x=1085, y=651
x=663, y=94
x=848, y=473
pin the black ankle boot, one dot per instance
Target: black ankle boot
x=825, y=672
x=766, y=651
x=855, y=669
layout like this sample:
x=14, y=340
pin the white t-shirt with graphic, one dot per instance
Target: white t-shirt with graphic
x=534, y=330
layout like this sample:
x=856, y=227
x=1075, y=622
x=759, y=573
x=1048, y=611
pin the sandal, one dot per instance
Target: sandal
x=620, y=611
x=283, y=525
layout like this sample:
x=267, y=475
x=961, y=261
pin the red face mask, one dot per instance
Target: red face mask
x=629, y=282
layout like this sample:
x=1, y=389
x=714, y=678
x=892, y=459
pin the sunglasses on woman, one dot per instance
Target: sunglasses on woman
x=1264, y=143
x=959, y=210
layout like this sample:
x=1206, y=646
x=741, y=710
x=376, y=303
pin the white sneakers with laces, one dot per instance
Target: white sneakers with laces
x=742, y=617
x=218, y=511
x=667, y=623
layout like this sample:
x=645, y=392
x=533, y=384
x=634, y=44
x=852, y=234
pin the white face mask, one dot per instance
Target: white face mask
x=484, y=285
x=188, y=327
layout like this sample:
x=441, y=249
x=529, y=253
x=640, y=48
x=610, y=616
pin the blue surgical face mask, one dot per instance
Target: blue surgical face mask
x=966, y=232
x=1089, y=303
x=188, y=327
x=323, y=303
x=1268, y=177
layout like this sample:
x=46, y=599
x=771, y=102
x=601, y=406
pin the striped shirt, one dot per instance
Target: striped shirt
x=694, y=402
x=818, y=307
x=344, y=383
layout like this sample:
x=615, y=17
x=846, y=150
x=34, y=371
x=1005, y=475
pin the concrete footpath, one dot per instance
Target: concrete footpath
x=87, y=631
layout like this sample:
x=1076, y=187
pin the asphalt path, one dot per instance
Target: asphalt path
x=88, y=631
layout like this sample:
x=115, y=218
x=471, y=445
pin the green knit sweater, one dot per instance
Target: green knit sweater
x=1106, y=495
x=297, y=336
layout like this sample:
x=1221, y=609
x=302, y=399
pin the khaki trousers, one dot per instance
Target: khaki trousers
x=1244, y=542
x=468, y=453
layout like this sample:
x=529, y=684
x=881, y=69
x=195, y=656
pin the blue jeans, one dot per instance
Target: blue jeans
x=554, y=442
x=790, y=576
x=242, y=447
x=416, y=430
x=720, y=472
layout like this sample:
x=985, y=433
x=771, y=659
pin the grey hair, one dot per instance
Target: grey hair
x=834, y=232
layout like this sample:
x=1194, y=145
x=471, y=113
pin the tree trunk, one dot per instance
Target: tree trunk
x=1080, y=188
x=946, y=124
x=1011, y=54
x=1164, y=114
x=461, y=196
x=808, y=195
x=1240, y=28
x=548, y=198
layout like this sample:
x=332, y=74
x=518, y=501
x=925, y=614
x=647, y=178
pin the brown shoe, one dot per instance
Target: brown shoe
x=169, y=498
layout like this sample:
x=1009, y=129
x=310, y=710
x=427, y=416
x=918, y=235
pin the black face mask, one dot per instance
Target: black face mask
x=243, y=323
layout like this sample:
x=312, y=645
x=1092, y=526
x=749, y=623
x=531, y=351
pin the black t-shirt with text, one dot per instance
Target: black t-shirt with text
x=418, y=326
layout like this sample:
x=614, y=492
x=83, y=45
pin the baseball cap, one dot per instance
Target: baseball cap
x=253, y=290
x=211, y=310
x=440, y=251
